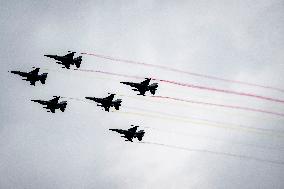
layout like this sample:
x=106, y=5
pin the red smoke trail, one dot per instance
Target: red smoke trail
x=221, y=105
x=216, y=153
x=190, y=85
x=221, y=90
x=181, y=71
x=187, y=117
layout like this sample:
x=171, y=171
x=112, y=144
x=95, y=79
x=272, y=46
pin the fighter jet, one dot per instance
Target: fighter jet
x=32, y=76
x=53, y=104
x=107, y=102
x=143, y=87
x=67, y=60
x=131, y=133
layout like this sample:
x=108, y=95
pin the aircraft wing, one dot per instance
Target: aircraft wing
x=70, y=55
x=141, y=87
x=126, y=134
x=55, y=99
x=32, y=82
x=35, y=71
x=133, y=129
x=66, y=64
x=110, y=97
x=52, y=110
x=146, y=81
x=128, y=137
x=106, y=108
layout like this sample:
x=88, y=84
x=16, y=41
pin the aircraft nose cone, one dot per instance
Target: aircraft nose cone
x=47, y=55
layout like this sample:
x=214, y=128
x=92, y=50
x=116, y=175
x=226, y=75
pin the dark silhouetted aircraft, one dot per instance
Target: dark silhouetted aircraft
x=107, y=102
x=53, y=104
x=67, y=60
x=32, y=76
x=131, y=133
x=143, y=87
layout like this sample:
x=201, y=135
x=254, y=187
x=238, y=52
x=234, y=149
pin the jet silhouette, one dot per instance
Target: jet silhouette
x=67, y=60
x=131, y=133
x=32, y=76
x=52, y=104
x=143, y=87
x=107, y=102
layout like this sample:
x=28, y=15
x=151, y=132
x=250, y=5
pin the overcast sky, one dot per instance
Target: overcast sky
x=238, y=40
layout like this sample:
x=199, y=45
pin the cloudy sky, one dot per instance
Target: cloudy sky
x=235, y=40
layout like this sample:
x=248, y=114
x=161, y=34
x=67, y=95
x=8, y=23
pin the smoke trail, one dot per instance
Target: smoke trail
x=206, y=120
x=150, y=99
x=184, y=72
x=265, y=132
x=189, y=119
x=215, y=152
x=189, y=85
x=221, y=90
x=221, y=105
x=218, y=139
x=72, y=98
x=203, y=103
x=211, y=123
x=210, y=138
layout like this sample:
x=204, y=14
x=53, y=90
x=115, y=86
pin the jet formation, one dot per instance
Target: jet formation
x=32, y=76
x=131, y=133
x=67, y=60
x=143, y=87
x=107, y=102
x=53, y=104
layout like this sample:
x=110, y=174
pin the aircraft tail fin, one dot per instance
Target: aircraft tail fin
x=153, y=87
x=78, y=61
x=117, y=104
x=63, y=106
x=140, y=135
x=43, y=78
